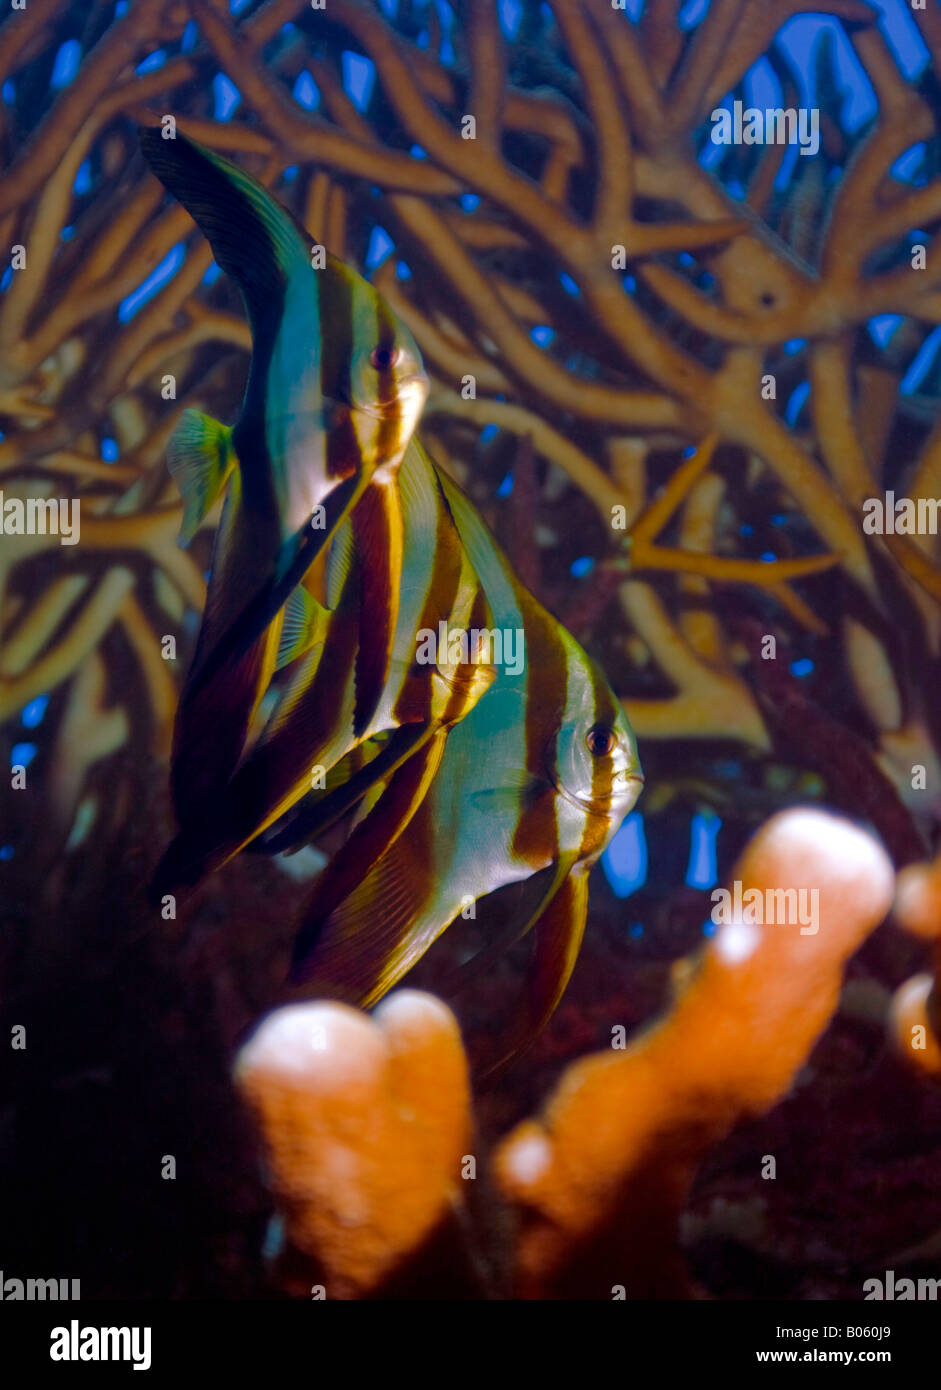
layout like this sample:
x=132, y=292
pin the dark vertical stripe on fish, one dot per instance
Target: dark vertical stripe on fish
x=597, y=826
x=337, y=348
x=389, y=430
x=385, y=345
x=547, y=666
x=440, y=595
x=379, y=554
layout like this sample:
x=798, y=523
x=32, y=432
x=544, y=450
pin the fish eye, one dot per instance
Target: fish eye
x=382, y=358
x=599, y=741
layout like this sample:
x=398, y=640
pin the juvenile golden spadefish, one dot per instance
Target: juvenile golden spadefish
x=534, y=780
x=335, y=388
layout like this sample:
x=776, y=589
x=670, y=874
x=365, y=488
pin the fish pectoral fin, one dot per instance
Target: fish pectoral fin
x=200, y=458
x=304, y=625
x=181, y=868
x=473, y=682
x=557, y=938
x=357, y=950
x=517, y=790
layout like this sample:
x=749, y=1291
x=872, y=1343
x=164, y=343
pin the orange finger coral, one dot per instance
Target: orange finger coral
x=364, y=1121
x=599, y=1181
x=915, y=1016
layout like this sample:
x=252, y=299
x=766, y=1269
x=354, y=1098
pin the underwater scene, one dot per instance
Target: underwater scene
x=470, y=652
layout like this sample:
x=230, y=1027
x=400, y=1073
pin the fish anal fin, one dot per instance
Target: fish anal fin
x=373, y=937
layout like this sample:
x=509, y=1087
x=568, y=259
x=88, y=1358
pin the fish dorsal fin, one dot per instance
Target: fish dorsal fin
x=253, y=238
x=200, y=458
x=504, y=593
x=305, y=624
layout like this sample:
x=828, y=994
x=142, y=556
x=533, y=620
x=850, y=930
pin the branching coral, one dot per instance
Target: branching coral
x=598, y=1183
x=591, y=134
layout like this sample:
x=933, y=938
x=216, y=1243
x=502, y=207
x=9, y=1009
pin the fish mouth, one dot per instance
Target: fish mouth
x=628, y=793
x=623, y=783
x=627, y=788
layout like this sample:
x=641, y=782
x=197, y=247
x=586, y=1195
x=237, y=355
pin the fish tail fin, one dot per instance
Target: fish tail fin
x=200, y=457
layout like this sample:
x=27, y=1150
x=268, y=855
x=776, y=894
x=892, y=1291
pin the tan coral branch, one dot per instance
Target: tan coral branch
x=600, y=1180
